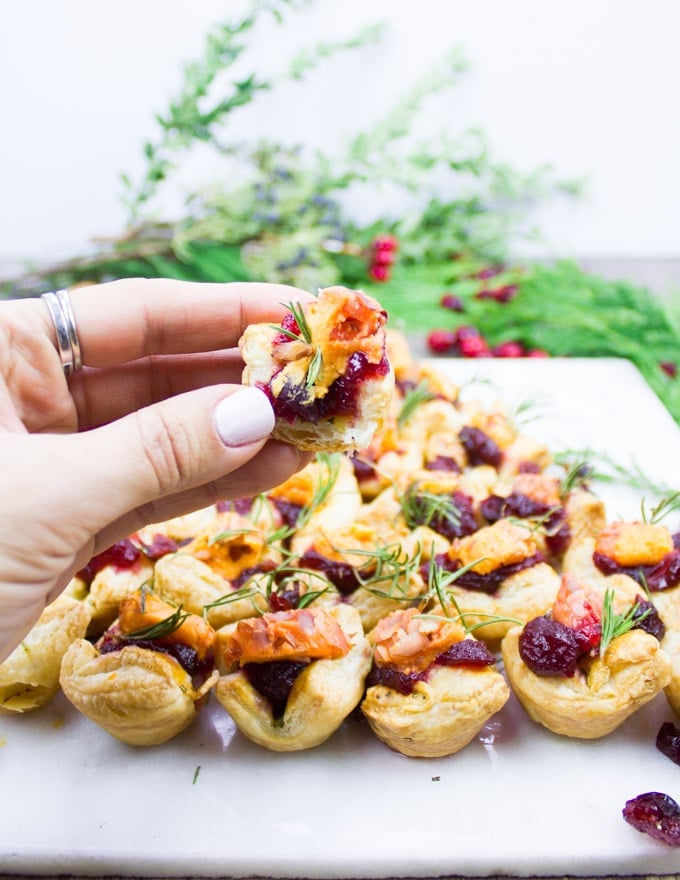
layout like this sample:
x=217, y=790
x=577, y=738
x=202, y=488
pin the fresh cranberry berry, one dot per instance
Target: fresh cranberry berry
x=508, y=350
x=441, y=341
x=385, y=243
x=383, y=258
x=473, y=347
x=379, y=273
x=669, y=368
x=668, y=741
x=506, y=293
x=452, y=302
x=489, y=272
x=537, y=353
x=656, y=814
x=548, y=647
x=465, y=331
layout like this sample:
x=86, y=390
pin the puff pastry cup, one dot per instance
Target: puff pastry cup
x=420, y=705
x=603, y=687
x=333, y=656
x=130, y=683
x=325, y=370
x=29, y=677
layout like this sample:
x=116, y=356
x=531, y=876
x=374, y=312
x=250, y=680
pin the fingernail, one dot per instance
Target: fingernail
x=243, y=417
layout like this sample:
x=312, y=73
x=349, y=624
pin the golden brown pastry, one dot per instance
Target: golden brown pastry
x=431, y=688
x=572, y=682
x=148, y=676
x=29, y=677
x=325, y=370
x=291, y=678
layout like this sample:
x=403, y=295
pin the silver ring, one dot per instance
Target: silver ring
x=68, y=343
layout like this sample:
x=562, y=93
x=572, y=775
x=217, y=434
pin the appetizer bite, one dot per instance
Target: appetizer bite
x=29, y=677
x=584, y=668
x=325, y=370
x=431, y=687
x=146, y=678
x=290, y=678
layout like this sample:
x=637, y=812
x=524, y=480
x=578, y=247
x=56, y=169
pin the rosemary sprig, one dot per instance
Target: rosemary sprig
x=413, y=399
x=228, y=534
x=330, y=463
x=388, y=565
x=421, y=507
x=576, y=476
x=159, y=630
x=611, y=471
x=614, y=625
x=305, y=334
x=663, y=508
x=314, y=368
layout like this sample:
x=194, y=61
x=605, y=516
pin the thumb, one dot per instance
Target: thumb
x=172, y=447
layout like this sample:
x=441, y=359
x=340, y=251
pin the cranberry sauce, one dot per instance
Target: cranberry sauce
x=342, y=575
x=340, y=400
x=290, y=513
x=555, y=526
x=661, y=576
x=185, y=655
x=549, y=647
x=480, y=448
x=243, y=506
x=274, y=680
x=482, y=583
x=363, y=470
x=647, y=618
x=457, y=521
x=247, y=573
x=160, y=546
x=668, y=741
x=124, y=554
x=464, y=653
x=443, y=463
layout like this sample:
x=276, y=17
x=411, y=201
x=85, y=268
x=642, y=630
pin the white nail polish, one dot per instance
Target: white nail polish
x=244, y=417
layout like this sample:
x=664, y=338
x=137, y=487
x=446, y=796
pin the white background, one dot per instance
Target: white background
x=589, y=86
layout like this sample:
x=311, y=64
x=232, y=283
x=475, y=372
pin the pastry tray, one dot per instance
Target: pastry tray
x=516, y=801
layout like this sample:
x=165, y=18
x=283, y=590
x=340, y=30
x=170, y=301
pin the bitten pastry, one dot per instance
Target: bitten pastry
x=29, y=677
x=431, y=689
x=325, y=370
x=582, y=670
x=145, y=679
x=292, y=677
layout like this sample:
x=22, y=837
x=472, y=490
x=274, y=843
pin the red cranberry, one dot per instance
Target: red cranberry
x=489, y=272
x=473, y=347
x=669, y=368
x=467, y=652
x=383, y=258
x=506, y=293
x=508, y=350
x=548, y=647
x=396, y=679
x=647, y=618
x=480, y=448
x=452, y=302
x=537, y=353
x=291, y=325
x=655, y=814
x=385, y=243
x=466, y=331
x=379, y=273
x=274, y=680
x=441, y=341
x=668, y=741
x=121, y=555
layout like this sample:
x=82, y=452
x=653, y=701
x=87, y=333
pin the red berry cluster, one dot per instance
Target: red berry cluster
x=501, y=294
x=466, y=341
x=382, y=254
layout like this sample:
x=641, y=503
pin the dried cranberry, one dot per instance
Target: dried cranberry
x=480, y=448
x=467, y=652
x=668, y=741
x=274, y=680
x=655, y=814
x=548, y=647
x=648, y=619
x=394, y=678
x=121, y=556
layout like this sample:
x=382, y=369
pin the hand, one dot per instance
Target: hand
x=155, y=425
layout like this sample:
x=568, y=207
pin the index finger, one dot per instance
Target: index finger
x=121, y=321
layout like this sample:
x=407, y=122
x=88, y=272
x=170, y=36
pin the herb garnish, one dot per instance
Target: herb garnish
x=614, y=625
x=159, y=630
x=663, y=508
x=413, y=399
x=420, y=507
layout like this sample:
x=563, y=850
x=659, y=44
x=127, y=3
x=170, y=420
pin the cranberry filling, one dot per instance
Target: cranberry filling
x=340, y=400
x=291, y=325
x=459, y=522
x=342, y=575
x=529, y=467
x=443, y=463
x=121, y=555
x=160, y=546
x=480, y=448
x=668, y=741
x=243, y=506
x=483, y=583
x=274, y=680
x=647, y=618
x=549, y=647
x=464, y=653
x=555, y=526
x=290, y=513
x=363, y=470
x=185, y=655
x=247, y=573
x=661, y=576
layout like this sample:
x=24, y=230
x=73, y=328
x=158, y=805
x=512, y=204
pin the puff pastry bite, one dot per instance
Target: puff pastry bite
x=574, y=674
x=500, y=577
x=431, y=688
x=29, y=677
x=292, y=677
x=325, y=370
x=149, y=674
